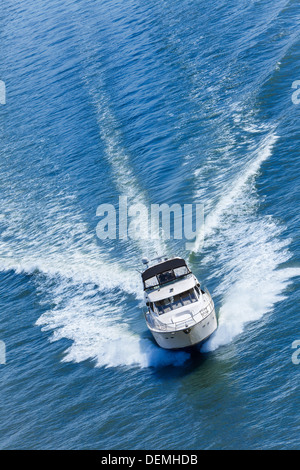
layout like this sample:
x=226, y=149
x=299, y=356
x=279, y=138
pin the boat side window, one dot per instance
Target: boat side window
x=177, y=301
x=166, y=277
x=158, y=308
x=167, y=305
x=193, y=295
x=152, y=282
x=164, y=306
x=185, y=298
x=182, y=271
x=188, y=297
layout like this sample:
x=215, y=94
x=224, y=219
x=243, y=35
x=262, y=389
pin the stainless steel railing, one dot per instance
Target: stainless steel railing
x=195, y=318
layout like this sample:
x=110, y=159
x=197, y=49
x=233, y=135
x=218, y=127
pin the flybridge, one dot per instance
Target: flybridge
x=162, y=267
x=164, y=272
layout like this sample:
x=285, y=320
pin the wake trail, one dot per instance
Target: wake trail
x=237, y=187
x=247, y=251
x=98, y=331
x=86, y=294
x=117, y=157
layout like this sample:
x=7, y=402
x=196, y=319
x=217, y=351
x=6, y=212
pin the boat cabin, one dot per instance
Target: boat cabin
x=165, y=272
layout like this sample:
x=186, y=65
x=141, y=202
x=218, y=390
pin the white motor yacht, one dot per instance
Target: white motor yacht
x=179, y=313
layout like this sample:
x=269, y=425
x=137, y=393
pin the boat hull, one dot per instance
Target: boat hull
x=192, y=336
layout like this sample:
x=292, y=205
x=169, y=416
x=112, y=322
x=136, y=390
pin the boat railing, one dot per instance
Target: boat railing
x=195, y=318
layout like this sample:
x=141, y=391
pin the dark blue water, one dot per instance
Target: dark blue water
x=163, y=102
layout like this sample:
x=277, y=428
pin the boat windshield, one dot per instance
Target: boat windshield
x=167, y=276
x=172, y=303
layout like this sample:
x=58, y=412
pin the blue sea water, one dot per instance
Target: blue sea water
x=163, y=102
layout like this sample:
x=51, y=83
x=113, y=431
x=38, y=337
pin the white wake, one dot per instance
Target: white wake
x=248, y=249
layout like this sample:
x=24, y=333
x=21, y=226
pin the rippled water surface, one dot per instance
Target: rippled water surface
x=163, y=102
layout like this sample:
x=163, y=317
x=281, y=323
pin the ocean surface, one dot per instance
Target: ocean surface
x=160, y=101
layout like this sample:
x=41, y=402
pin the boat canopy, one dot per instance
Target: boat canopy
x=163, y=267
